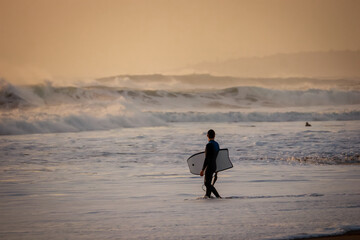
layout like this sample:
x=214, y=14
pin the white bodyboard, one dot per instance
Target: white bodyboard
x=196, y=161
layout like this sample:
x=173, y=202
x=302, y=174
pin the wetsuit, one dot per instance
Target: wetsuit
x=211, y=152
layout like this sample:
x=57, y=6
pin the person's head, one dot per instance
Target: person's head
x=211, y=134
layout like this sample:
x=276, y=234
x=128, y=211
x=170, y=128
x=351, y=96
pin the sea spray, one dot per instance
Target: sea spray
x=45, y=108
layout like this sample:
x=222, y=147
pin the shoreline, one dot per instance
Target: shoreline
x=350, y=235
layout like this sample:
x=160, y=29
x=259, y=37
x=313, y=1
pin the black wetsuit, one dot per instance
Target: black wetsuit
x=211, y=152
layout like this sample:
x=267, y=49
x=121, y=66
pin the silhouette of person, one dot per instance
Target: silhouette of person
x=209, y=167
x=307, y=124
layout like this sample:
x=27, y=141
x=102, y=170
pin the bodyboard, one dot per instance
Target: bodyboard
x=196, y=161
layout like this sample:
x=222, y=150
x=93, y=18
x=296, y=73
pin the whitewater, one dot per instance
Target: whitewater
x=105, y=105
x=107, y=159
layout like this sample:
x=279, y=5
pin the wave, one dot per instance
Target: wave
x=96, y=118
x=46, y=108
x=206, y=81
x=229, y=98
x=46, y=94
x=57, y=123
x=256, y=116
x=331, y=159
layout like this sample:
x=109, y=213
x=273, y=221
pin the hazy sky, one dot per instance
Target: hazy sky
x=92, y=38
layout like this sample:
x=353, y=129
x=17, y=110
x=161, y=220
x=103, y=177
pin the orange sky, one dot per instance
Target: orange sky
x=92, y=38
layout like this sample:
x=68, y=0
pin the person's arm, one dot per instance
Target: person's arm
x=206, y=162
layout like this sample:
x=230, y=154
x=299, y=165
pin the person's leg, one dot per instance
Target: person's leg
x=214, y=179
x=208, y=178
x=209, y=187
x=213, y=189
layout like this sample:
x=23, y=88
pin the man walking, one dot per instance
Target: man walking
x=211, y=152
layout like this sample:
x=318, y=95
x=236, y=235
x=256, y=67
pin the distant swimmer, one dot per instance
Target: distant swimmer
x=209, y=167
x=307, y=124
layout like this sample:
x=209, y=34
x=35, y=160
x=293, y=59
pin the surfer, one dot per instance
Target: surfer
x=209, y=167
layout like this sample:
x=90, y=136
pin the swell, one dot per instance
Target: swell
x=77, y=120
x=45, y=108
x=30, y=123
x=236, y=97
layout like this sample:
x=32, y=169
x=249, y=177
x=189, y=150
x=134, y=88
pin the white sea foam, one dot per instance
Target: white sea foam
x=134, y=183
x=235, y=97
x=257, y=116
x=205, y=81
x=46, y=108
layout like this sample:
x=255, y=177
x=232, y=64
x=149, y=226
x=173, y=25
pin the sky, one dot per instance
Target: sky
x=60, y=39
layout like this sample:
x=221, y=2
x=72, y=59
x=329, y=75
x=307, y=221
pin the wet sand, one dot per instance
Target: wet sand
x=351, y=235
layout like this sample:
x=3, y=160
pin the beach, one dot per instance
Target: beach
x=103, y=103
x=134, y=183
x=352, y=235
x=103, y=161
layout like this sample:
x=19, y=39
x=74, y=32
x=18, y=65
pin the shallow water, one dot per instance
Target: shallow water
x=134, y=183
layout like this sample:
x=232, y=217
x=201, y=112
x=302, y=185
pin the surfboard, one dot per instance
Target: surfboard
x=196, y=161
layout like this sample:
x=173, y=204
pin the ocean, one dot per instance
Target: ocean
x=107, y=159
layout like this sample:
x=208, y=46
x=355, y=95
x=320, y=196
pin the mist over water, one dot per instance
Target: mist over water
x=156, y=100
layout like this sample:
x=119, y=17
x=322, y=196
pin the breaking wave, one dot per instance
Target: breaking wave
x=34, y=122
x=55, y=123
x=235, y=97
x=45, y=108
